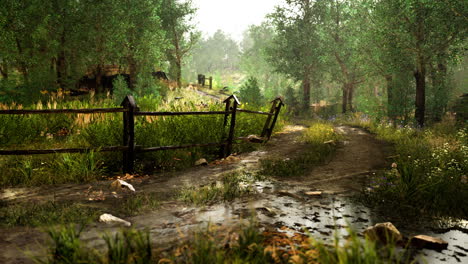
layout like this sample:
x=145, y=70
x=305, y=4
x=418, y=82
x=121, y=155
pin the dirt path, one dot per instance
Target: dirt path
x=277, y=202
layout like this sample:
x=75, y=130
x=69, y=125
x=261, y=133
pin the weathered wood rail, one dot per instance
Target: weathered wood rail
x=130, y=110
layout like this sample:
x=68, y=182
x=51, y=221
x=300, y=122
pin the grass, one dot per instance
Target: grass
x=98, y=130
x=243, y=243
x=315, y=152
x=66, y=212
x=429, y=170
x=231, y=186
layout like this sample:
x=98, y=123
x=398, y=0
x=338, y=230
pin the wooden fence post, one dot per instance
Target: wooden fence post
x=268, y=120
x=129, y=133
x=226, y=150
x=211, y=82
x=277, y=111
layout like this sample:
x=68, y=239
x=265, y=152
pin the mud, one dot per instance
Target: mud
x=277, y=203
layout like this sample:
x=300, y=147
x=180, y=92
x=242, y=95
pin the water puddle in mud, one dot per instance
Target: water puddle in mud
x=324, y=215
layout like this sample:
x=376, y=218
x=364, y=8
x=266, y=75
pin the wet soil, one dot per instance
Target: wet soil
x=277, y=203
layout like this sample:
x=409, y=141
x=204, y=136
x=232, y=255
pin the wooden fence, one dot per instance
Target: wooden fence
x=130, y=110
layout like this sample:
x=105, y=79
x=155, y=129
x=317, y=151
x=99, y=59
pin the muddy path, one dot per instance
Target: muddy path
x=278, y=203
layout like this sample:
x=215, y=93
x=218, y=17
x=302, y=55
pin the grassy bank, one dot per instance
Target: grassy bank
x=67, y=212
x=429, y=170
x=213, y=244
x=99, y=130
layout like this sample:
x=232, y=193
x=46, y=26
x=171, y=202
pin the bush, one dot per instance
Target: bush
x=250, y=92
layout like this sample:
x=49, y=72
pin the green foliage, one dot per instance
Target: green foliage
x=101, y=130
x=230, y=187
x=138, y=203
x=128, y=246
x=250, y=92
x=357, y=250
x=47, y=213
x=314, y=153
x=428, y=172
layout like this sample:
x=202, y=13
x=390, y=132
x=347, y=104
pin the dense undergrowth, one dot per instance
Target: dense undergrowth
x=213, y=244
x=429, y=170
x=100, y=130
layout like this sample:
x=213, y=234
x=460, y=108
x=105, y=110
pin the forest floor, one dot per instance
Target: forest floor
x=280, y=203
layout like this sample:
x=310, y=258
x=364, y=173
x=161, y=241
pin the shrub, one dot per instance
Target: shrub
x=250, y=92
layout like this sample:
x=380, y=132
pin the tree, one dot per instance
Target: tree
x=176, y=21
x=218, y=53
x=428, y=30
x=254, y=59
x=250, y=91
x=295, y=49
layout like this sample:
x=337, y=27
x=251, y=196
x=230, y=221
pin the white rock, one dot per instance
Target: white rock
x=383, y=232
x=201, y=162
x=109, y=219
x=118, y=184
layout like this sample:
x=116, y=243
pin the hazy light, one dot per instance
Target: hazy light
x=231, y=16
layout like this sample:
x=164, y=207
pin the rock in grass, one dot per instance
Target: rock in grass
x=201, y=162
x=385, y=233
x=423, y=241
x=110, y=219
x=286, y=193
x=119, y=184
x=314, y=193
x=255, y=139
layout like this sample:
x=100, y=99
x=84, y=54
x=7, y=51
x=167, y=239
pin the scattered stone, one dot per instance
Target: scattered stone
x=120, y=184
x=255, y=139
x=383, y=232
x=362, y=220
x=110, y=219
x=423, y=241
x=267, y=211
x=201, y=162
x=314, y=193
x=285, y=193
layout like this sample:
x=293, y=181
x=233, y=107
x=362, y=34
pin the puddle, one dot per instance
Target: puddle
x=322, y=216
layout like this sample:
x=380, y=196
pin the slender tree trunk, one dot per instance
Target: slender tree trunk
x=22, y=65
x=98, y=76
x=61, y=64
x=178, y=71
x=344, y=102
x=390, y=98
x=420, y=77
x=306, y=91
x=4, y=70
x=350, y=96
x=132, y=67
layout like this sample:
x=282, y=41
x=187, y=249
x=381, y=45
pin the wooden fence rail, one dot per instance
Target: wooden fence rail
x=130, y=110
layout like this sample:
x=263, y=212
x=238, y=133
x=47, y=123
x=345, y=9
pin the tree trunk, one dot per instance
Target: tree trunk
x=344, y=102
x=98, y=76
x=4, y=70
x=179, y=72
x=132, y=68
x=350, y=96
x=306, y=91
x=390, y=98
x=61, y=64
x=420, y=76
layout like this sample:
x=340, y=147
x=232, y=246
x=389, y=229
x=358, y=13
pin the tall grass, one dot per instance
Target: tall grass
x=320, y=143
x=98, y=130
x=244, y=243
x=429, y=170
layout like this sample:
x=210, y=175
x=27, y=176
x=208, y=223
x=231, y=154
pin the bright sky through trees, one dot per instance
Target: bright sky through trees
x=231, y=16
